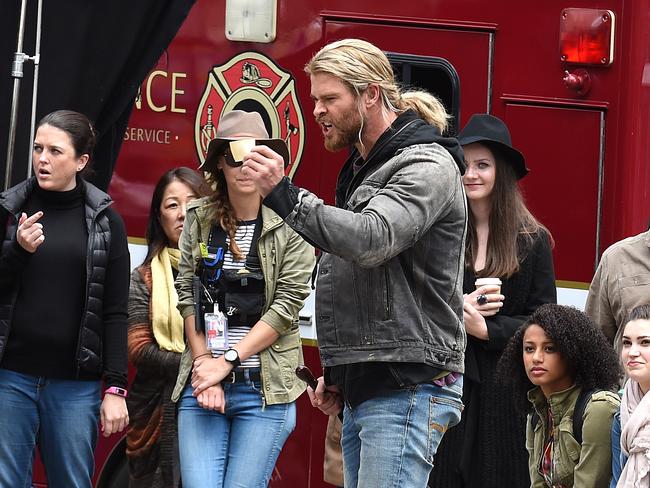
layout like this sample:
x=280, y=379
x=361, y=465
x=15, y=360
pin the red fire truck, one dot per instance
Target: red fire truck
x=571, y=79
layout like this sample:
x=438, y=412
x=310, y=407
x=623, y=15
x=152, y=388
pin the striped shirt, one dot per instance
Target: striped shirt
x=243, y=238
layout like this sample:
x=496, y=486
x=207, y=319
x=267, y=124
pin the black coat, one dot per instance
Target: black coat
x=487, y=449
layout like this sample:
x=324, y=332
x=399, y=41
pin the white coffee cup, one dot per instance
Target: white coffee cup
x=488, y=281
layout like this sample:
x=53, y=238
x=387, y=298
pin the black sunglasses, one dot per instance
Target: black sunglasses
x=230, y=159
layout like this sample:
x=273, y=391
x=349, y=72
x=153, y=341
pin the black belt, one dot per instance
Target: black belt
x=239, y=376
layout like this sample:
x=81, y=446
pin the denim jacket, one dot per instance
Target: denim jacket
x=287, y=262
x=574, y=465
x=390, y=282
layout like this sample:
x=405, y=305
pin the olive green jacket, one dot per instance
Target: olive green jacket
x=580, y=466
x=287, y=264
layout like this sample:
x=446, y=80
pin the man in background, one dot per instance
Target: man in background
x=621, y=282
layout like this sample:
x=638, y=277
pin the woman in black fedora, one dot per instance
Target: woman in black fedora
x=505, y=243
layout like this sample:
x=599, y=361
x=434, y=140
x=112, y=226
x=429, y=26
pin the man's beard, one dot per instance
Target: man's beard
x=347, y=131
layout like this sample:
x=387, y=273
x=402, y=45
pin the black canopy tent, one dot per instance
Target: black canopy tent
x=94, y=55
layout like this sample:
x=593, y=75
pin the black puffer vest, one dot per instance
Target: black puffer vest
x=91, y=331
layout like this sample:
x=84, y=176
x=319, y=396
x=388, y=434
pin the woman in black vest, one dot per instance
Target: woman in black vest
x=64, y=282
x=504, y=242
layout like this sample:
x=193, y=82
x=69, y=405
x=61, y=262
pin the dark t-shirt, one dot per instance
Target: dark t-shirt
x=359, y=382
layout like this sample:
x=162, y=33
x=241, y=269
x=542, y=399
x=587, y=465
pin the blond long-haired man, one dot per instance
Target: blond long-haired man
x=389, y=302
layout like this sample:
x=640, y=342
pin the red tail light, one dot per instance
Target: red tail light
x=587, y=36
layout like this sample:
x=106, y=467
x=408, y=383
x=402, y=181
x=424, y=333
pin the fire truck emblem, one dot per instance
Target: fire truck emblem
x=252, y=82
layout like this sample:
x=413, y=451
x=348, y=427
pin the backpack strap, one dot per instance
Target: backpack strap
x=579, y=411
x=252, y=258
x=213, y=256
x=534, y=419
x=218, y=239
x=208, y=271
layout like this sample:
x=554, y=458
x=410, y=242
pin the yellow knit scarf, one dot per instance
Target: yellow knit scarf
x=166, y=320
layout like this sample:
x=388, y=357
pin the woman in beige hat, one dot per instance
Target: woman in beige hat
x=242, y=280
x=504, y=241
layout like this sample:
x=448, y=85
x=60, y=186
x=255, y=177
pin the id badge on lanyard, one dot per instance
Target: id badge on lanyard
x=216, y=323
x=216, y=329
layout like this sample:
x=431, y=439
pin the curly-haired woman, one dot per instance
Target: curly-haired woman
x=550, y=360
x=238, y=257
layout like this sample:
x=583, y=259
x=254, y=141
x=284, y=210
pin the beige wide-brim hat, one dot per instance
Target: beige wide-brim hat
x=236, y=125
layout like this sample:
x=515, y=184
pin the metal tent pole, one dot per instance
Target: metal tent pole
x=37, y=58
x=17, y=74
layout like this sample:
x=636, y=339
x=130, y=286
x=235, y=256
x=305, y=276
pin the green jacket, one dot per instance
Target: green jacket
x=287, y=263
x=580, y=466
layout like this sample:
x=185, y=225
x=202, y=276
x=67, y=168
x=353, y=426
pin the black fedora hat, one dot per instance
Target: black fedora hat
x=494, y=133
x=238, y=124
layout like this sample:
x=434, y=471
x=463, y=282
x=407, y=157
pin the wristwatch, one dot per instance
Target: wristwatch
x=232, y=356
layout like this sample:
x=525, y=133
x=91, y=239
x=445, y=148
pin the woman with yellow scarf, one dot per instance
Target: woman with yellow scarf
x=155, y=337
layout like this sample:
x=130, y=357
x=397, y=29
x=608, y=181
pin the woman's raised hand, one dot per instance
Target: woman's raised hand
x=30, y=232
x=486, y=300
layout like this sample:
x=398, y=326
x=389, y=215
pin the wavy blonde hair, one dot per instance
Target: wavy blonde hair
x=360, y=64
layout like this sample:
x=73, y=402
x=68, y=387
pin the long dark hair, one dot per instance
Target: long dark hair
x=221, y=210
x=592, y=361
x=79, y=129
x=513, y=228
x=156, y=238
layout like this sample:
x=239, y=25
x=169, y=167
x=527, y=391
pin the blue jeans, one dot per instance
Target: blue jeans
x=389, y=441
x=238, y=449
x=60, y=416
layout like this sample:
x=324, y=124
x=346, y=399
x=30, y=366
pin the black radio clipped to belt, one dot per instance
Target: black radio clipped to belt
x=239, y=293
